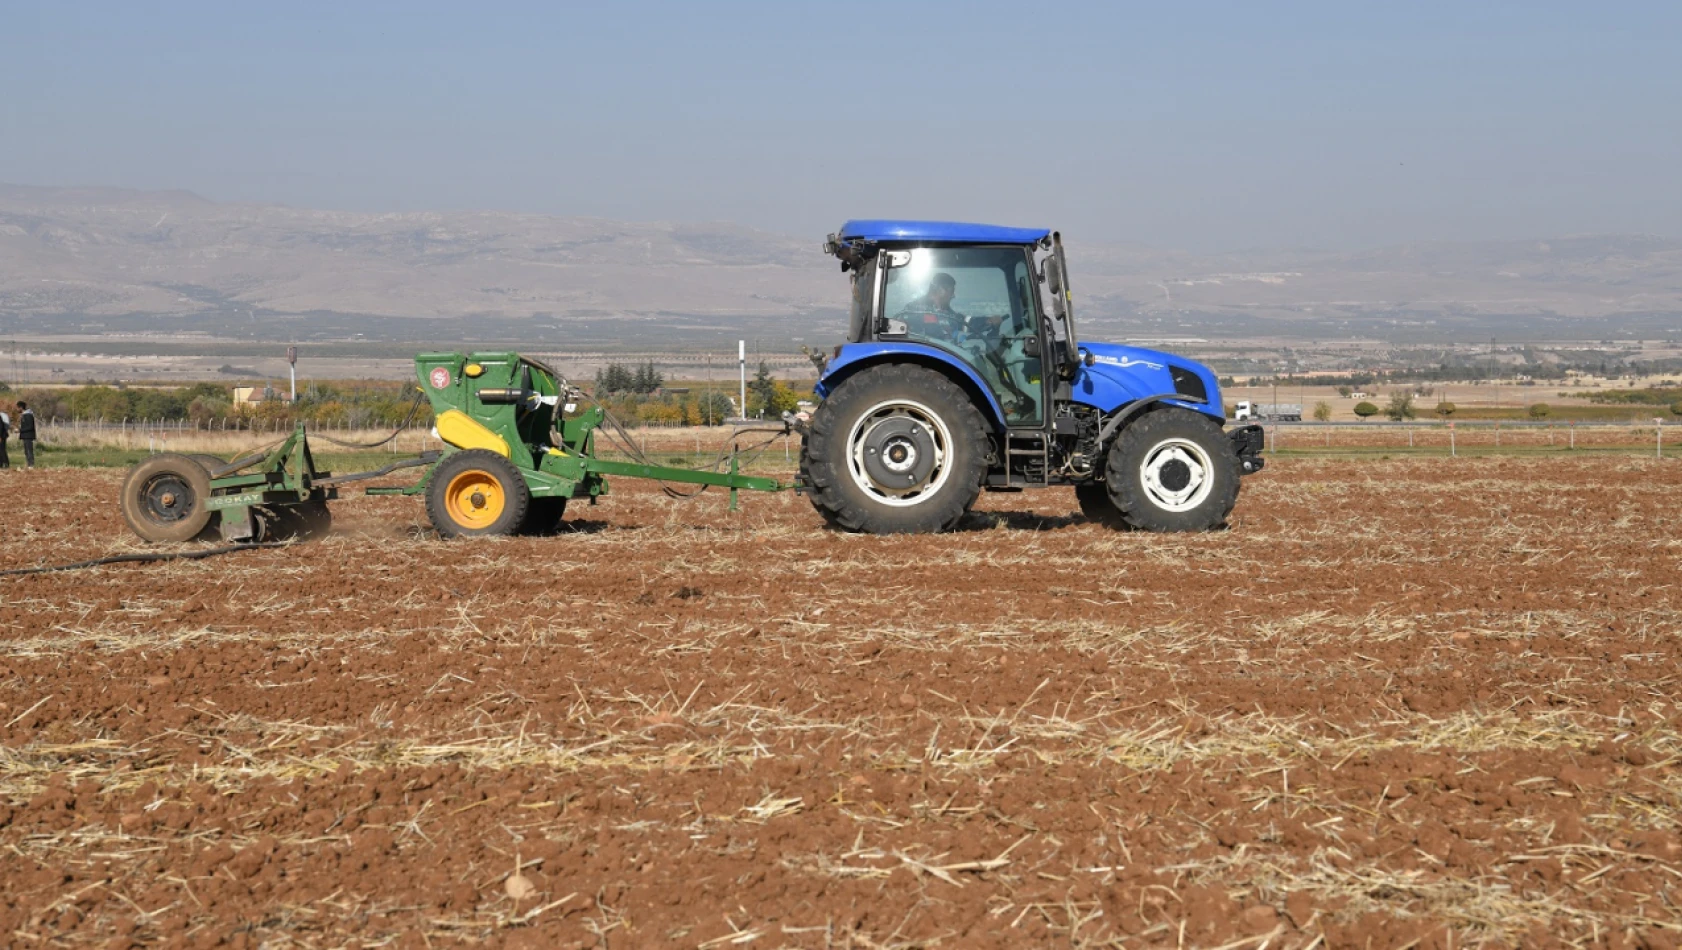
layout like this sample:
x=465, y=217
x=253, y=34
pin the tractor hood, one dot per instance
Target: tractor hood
x=1121, y=374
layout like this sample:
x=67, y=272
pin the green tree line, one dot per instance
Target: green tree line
x=1649, y=396
x=1469, y=368
x=637, y=397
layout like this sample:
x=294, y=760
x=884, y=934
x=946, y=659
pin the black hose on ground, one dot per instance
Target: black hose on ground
x=145, y=558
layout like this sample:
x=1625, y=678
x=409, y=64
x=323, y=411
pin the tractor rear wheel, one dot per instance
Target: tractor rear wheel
x=475, y=493
x=1095, y=504
x=805, y=479
x=1173, y=470
x=164, y=498
x=895, y=449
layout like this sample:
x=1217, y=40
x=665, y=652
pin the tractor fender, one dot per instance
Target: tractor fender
x=1134, y=409
x=859, y=356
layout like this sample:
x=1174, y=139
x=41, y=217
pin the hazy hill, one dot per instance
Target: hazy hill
x=100, y=251
x=94, y=253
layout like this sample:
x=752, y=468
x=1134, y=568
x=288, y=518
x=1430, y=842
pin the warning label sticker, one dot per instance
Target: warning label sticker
x=440, y=378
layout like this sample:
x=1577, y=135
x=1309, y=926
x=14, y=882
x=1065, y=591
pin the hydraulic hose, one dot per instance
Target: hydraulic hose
x=196, y=555
x=616, y=434
x=414, y=410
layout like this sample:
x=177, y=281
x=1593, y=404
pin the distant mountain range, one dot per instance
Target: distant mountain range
x=103, y=257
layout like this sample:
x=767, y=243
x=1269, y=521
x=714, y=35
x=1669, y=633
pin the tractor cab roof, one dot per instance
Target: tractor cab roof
x=944, y=232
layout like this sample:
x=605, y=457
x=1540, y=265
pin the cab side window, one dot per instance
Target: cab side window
x=974, y=303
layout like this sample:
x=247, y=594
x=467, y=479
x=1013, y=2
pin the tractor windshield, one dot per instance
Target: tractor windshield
x=978, y=303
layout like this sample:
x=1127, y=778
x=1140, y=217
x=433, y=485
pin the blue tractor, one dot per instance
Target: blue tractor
x=962, y=371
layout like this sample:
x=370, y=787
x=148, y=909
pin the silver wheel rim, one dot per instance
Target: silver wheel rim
x=899, y=411
x=1177, y=474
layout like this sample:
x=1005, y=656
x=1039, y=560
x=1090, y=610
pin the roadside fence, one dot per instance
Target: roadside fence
x=1476, y=436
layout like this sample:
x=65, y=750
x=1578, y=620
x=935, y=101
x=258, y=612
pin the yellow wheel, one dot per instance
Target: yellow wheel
x=476, y=492
x=474, y=499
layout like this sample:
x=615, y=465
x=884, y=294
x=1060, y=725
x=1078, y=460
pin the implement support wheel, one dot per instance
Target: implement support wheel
x=476, y=492
x=164, y=498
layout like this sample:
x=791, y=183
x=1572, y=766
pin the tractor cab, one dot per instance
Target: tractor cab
x=970, y=292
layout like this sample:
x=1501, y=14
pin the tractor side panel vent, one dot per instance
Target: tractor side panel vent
x=1188, y=384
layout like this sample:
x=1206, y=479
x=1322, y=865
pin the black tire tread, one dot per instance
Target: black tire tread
x=196, y=478
x=805, y=479
x=1096, y=506
x=514, y=489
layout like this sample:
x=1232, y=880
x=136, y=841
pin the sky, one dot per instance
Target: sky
x=1199, y=126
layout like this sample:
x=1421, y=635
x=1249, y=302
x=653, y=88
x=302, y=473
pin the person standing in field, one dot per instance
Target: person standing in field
x=5, y=433
x=26, y=433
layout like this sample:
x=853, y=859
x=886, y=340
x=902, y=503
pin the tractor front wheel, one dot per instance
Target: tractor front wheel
x=1173, y=470
x=475, y=493
x=896, y=449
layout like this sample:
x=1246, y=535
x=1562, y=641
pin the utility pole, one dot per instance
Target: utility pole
x=742, y=364
x=292, y=366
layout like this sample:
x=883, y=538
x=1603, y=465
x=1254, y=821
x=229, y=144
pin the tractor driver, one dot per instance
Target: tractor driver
x=931, y=314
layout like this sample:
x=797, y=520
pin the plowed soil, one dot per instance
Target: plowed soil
x=1421, y=702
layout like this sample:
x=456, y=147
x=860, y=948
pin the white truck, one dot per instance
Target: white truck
x=1258, y=411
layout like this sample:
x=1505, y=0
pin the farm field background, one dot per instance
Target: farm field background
x=1406, y=701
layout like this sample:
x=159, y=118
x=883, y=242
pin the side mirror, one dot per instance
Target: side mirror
x=1053, y=280
x=1057, y=308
